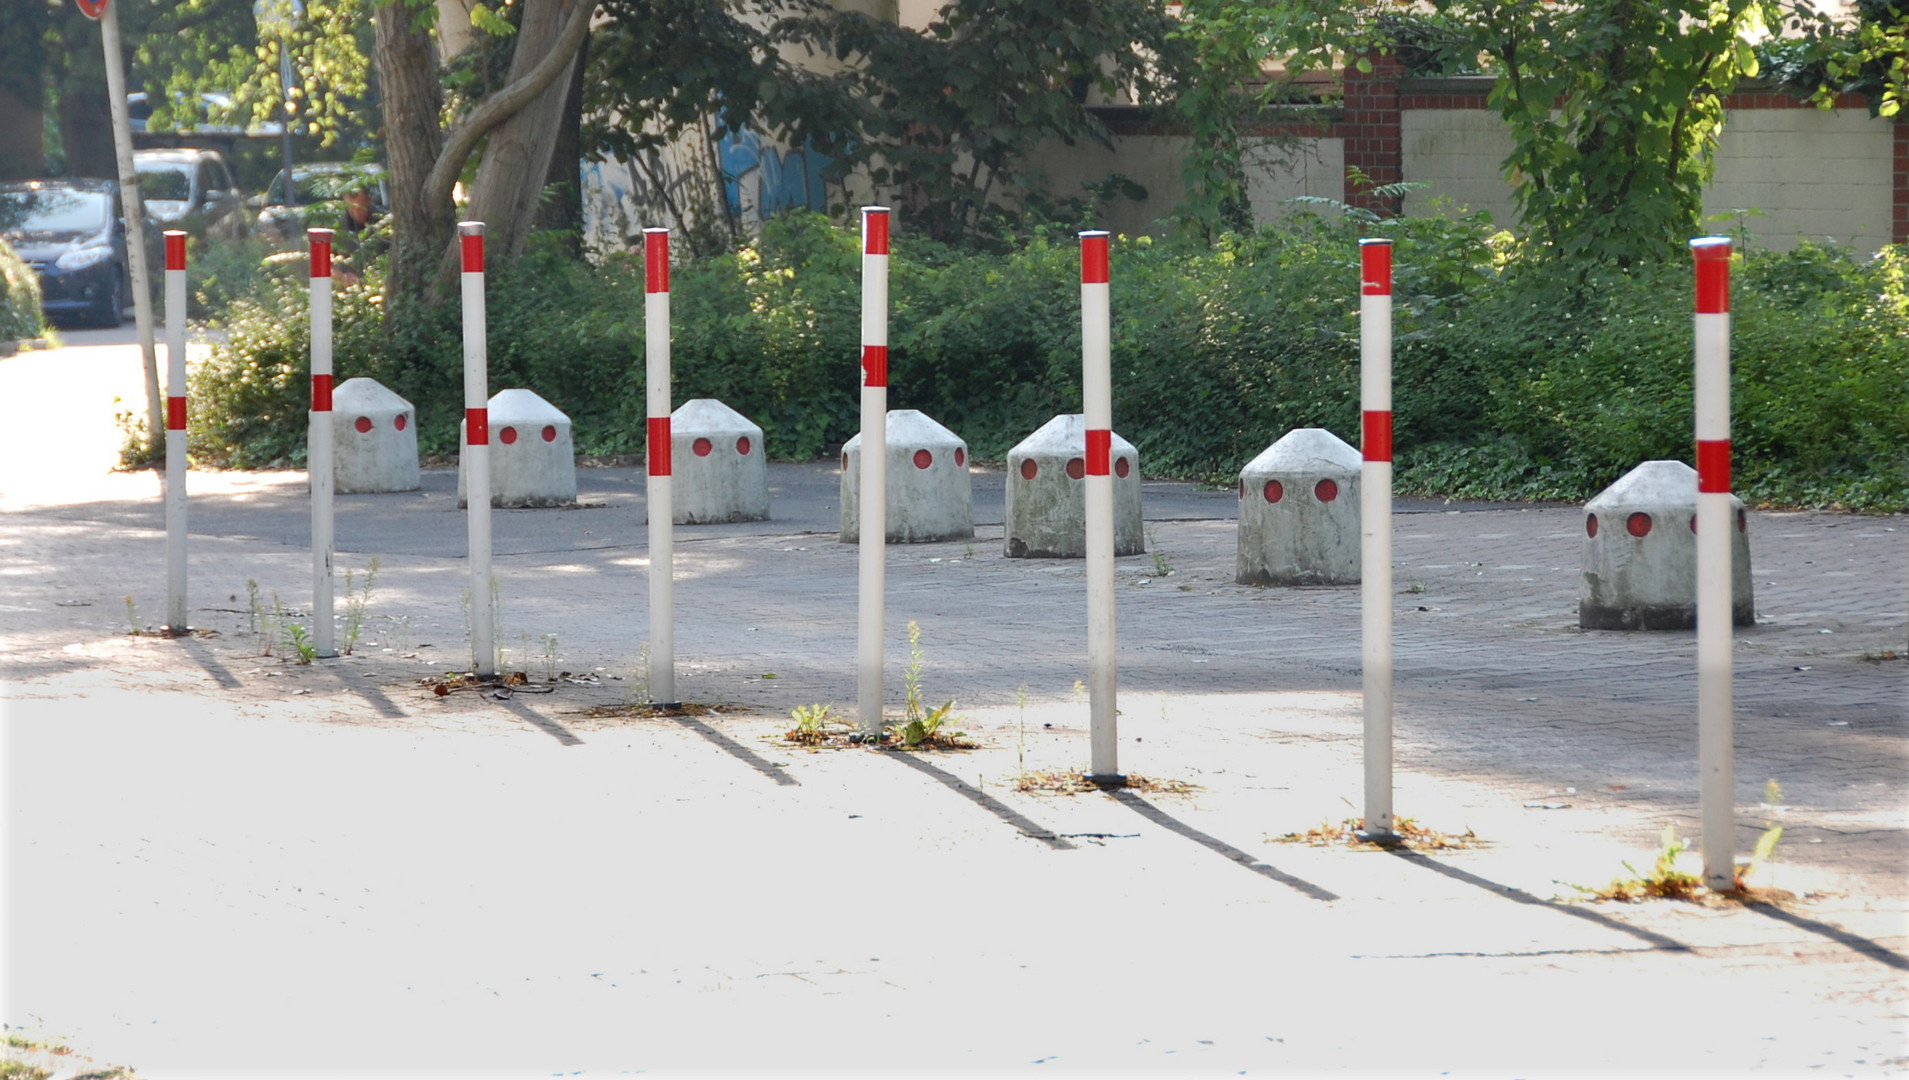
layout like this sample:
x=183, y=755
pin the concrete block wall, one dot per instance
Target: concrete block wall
x=1816, y=175
x=1820, y=174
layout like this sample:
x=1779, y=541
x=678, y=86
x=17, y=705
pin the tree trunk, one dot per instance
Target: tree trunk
x=564, y=211
x=516, y=161
x=413, y=99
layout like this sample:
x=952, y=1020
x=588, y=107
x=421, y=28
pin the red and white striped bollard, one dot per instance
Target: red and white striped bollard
x=1375, y=526
x=1716, y=756
x=872, y=544
x=477, y=449
x=662, y=508
x=318, y=443
x=176, y=431
x=1097, y=408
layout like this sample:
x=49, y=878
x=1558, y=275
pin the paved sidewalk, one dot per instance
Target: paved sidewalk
x=224, y=864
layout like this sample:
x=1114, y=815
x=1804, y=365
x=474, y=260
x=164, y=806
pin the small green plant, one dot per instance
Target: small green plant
x=1162, y=566
x=356, y=600
x=132, y=616
x=811, y=723
x=550, y=658
x=252, y=600
x=922, y=724
x=299, y=641
x=1416, y=588
x=1765, y=851
x=1664, y=880
x=1020, y=738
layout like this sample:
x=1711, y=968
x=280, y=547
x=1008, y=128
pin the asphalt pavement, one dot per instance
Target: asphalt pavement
x=224, y=862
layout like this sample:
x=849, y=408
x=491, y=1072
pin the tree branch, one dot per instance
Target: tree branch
x=461, y=140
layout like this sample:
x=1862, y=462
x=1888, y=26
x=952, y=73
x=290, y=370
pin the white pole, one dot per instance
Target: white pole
x=175, y=431
x=872, y=546
x=477, y=450
x=318, y=443
x=1715, y=753
x=130, y=210
x=662, y=508
x=1097, y=407
x=1375, y=526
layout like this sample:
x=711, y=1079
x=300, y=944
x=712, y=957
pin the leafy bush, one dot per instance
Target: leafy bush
x=1509, y=382
x=19, y=298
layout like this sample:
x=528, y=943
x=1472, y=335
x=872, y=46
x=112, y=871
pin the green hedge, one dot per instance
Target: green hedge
x=1508, y=381
x=19, y=298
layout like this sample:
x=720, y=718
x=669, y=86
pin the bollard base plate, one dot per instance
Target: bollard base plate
x=1107, y=781
x=1379, y=839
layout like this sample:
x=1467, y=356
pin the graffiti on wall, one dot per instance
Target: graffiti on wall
x=761, y=181
x=732, y=182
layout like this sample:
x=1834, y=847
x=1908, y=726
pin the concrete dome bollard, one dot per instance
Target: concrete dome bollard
x=533, y=461
x=1047, y=499
x=1640, y=553
x=374, y=439
x=1299, y=512
x=930, y=495
x=720, y=470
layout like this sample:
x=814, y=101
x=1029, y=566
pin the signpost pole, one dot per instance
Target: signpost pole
x=130, y=207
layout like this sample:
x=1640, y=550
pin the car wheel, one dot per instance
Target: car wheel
x=113, y=312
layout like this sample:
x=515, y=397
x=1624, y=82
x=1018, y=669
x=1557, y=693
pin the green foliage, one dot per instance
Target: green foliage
x=1830, y=54
x=19, y=298
x=1576, y=385
x=1613, y=107
x=1510, y=382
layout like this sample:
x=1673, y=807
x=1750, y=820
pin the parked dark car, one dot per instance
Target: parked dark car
x=191, y=189
x=70, y=233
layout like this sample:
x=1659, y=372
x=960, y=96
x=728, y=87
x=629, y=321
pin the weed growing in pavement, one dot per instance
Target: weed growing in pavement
x=1415, y=589
x=550, y=658
x=132, y=616
x=1020, y=738
x=299, y=641
x=1664, y=881
x=266, y=625
x=1406, y=833
x=921, y=724
x=811, y=723
x=355, y=601
x=1162, y=566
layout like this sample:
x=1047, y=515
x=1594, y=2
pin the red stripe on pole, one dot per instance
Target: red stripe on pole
x=874, y=365
x=175, y=414
x=321, y=251
x=1713, y=465
x=659, y=446
x=656, y=263
x=874, y=232
x=473, y=253
x=1378, y=435
x=1093, y=258
x=175, y=250
x=1713, y=275
x=477, y=427
x=1100, y=449
x=321, y=393
x=1375, y=265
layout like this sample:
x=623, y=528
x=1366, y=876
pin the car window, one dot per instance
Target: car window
x=55, y=210
x=220, y=177
x=165, y=182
